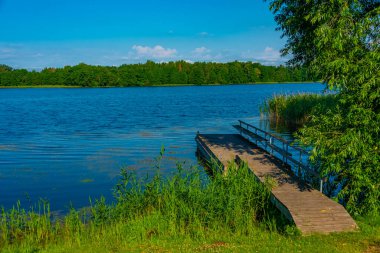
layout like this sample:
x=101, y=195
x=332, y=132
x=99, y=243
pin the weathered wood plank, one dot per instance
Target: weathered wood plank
x=311, y=211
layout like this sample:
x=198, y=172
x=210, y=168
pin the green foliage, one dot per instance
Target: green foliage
x=159, y=228
x=191, y=205
x=339, y=41
x=184, y=212
x=185, y=204
x=296, y=110
x=5, y=68
x=152, y=73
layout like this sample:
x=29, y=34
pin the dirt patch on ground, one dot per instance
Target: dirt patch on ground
x=372, y=248
x=213, y=247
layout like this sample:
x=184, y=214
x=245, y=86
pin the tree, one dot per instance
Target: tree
x=339, y=41
x=236, y=74
x=5, y=68
x=197, y=74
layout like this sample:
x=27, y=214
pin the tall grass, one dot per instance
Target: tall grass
x=235, y=202
x=296, y=109
x=186, y=204
x=184, y=212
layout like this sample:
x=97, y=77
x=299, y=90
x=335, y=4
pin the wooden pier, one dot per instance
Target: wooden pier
x=270, y=156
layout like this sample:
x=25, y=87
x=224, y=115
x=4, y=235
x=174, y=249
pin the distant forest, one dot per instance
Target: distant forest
x=151, y=73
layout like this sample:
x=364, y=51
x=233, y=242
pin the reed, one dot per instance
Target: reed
x=183, y=212
x=296, y=109
x=186, y=203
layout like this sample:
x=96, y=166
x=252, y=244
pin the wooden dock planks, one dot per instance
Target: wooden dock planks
x=310, y=210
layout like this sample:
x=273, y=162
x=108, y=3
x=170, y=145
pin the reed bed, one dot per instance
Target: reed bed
x=296, y=109
x=184, y=212
x=186, y=204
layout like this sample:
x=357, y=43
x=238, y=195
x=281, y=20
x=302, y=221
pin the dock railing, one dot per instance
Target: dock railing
x=295, y=157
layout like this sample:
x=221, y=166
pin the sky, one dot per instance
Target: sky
x=54, y=33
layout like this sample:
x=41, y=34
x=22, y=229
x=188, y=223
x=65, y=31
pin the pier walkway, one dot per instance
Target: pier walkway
x=270, y=156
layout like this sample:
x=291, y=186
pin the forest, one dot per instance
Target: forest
x=151, y=73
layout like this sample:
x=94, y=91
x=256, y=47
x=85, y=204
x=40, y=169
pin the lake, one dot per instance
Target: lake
x=65, y=145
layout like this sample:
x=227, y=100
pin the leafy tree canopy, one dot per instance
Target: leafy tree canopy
x=5, y=68
x=339, y=41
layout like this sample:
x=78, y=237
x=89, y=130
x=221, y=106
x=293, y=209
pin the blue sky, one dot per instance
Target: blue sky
x=40, y=33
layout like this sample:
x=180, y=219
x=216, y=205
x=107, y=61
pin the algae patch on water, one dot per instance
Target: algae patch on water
x=87, y=180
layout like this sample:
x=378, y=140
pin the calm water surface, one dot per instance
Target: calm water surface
x=65, y=145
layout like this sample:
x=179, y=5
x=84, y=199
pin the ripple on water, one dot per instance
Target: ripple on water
x=68, y=144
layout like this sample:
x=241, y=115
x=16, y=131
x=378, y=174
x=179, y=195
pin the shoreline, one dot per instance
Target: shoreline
x=150, y=85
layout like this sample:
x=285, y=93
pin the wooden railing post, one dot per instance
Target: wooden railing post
x=321, y=186
x=299, y=165
x=287, y=147
x=270, y=142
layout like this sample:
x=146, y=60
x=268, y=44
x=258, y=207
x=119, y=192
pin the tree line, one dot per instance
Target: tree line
x=151, y=73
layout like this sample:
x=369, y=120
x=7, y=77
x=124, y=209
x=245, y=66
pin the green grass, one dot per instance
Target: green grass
x=296, y=109
x=185, y=212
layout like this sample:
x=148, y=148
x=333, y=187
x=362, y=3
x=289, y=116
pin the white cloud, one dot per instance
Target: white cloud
x=203, y=34
x=269, y=50
x=269, y=56
x=154, y=52
x=204, y=54
x=201, y=50
x=6, y=50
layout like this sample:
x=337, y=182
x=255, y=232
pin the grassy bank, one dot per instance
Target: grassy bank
x=296, y=109
x=181, y=213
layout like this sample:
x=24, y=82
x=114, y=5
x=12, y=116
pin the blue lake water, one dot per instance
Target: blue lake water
x=65, y=145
